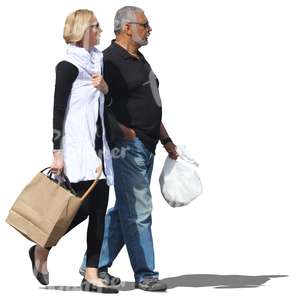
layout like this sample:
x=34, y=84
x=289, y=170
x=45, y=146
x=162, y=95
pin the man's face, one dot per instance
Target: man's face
x=140, y=29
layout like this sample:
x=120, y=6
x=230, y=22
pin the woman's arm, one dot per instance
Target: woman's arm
x=66, y=73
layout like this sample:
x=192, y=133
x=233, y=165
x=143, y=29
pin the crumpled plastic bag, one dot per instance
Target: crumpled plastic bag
x=179, y=181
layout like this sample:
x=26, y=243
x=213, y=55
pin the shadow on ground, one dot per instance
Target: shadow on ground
x=195, y=280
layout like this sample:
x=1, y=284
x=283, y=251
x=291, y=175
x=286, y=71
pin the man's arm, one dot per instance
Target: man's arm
x=167, y=142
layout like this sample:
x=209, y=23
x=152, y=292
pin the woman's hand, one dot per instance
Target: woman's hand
x=99, y=83
x=99, y=169
x=58, y=162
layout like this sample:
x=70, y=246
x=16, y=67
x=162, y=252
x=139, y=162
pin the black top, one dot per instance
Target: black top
x=132, y=90
x=66, y=73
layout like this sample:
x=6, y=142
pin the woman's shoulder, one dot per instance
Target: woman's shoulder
x=65, y=68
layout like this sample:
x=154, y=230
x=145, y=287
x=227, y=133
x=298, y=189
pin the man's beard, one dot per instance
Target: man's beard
x=139, y=40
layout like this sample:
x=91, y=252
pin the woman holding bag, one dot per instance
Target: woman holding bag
x=78, y=101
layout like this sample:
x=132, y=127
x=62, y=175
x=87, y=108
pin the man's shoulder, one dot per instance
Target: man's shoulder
x=107, y=50
x=110, y=53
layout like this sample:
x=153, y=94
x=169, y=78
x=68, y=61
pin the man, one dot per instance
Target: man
x=134, y=105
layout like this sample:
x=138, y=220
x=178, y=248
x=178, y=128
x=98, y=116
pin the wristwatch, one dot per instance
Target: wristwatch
x=166, y=140
x=56, y=151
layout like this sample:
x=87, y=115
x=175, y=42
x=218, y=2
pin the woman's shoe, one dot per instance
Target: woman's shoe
x=107, y=279
x=42, y=278
x=89, y=287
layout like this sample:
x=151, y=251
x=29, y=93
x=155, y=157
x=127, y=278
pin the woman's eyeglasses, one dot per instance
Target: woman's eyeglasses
x=94, y=26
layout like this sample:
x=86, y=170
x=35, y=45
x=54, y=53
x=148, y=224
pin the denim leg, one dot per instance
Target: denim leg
x=113, y=240
x=130, y=219
x=134, y=203
x=150, y=167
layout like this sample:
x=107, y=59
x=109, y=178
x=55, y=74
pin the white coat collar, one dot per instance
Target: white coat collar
x=90, y=61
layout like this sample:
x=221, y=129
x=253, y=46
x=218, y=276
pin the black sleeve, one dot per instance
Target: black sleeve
x=98, y=139
x=66, y=73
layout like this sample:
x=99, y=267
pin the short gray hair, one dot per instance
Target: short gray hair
x=124, y=15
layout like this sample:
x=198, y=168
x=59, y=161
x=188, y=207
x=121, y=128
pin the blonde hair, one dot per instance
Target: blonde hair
x=76, y=24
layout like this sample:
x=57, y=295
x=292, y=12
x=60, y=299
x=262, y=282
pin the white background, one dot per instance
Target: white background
x=229, y=76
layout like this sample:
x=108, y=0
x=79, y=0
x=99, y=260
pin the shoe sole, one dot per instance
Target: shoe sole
x=150, y=289
x=88, y=287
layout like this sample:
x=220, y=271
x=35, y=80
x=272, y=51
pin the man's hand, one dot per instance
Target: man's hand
x=129, y=133
x=171, y=149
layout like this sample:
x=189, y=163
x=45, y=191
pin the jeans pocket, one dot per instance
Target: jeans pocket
x=131, y=140
x=134, y=142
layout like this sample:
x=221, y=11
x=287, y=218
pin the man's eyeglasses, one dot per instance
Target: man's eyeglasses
x=145, y=25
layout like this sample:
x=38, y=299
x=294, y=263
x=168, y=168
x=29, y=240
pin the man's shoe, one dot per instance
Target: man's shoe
x=41, y=277
x=82, y=271
x=105, y=276
x=109, y=279
x=151, y=285
x=89, y=287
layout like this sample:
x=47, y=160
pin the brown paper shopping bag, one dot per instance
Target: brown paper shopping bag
x=44, y=209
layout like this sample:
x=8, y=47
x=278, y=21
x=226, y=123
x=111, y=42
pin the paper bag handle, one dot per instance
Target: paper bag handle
x=92, y=186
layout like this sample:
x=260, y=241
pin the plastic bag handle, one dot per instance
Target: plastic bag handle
x=183, y=155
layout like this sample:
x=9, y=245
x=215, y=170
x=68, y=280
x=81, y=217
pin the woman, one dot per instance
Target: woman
x=78, y=101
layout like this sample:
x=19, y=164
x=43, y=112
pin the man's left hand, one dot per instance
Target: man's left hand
x=171, y=149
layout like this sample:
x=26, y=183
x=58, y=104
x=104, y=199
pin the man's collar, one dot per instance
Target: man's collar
x=125, y=54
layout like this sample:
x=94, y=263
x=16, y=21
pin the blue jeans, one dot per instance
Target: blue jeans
x=129, y=221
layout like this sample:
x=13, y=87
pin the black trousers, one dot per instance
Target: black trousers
x=94, y=207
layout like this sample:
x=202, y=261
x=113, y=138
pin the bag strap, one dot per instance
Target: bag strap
x=188, y=160
x=184, y=155
x=92, y=186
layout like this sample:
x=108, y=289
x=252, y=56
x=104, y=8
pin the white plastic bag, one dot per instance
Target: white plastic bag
x=179, y=181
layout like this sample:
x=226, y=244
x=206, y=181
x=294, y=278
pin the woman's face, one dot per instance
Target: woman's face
x=92, y=34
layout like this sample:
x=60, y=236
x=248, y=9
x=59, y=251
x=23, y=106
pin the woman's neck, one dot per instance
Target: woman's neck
x=86, y=47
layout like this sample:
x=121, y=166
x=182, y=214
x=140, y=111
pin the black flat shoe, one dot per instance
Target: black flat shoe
x=89, y=287
x=42, y=278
